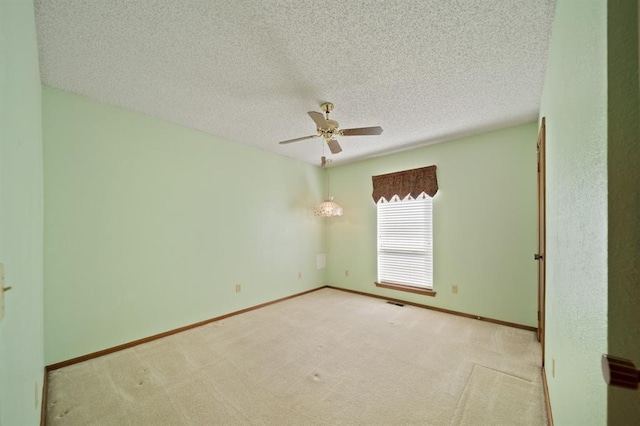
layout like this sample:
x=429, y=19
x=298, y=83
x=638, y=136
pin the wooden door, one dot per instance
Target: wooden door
x=540, y=256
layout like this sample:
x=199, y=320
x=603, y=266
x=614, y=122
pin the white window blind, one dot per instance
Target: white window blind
x=405, y=242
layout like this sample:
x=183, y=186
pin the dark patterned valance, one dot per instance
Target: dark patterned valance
x=414, y=182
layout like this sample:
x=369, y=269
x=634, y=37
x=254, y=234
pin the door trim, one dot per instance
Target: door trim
x=541, y=257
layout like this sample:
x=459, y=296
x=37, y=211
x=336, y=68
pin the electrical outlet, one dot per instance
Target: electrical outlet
x=299, y=275
x=346, y=272
x=454, y=289
x=238, y=288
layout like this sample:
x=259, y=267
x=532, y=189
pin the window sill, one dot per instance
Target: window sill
x=407, y=288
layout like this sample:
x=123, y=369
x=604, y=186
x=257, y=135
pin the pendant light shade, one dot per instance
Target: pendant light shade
x=328, y=208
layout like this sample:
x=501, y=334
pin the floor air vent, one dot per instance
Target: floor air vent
x=395, y=303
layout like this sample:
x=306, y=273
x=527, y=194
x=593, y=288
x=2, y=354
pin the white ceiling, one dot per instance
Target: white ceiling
x=246, y=70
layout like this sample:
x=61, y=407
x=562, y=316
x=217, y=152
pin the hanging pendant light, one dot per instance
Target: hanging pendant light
x=328, y=208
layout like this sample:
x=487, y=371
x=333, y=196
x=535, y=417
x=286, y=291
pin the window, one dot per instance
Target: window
x=405, y=244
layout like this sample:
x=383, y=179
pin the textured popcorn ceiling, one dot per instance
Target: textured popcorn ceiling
x=426, y=71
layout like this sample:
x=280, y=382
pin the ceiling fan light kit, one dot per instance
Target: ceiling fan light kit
x=329, y=129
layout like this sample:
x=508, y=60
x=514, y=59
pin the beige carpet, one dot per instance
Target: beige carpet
x=489, y=390
x=325, y=358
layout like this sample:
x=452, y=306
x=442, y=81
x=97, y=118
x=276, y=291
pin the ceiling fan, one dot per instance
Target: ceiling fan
x=328, y=129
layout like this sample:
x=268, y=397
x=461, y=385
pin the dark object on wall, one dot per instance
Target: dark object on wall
x=620, y=372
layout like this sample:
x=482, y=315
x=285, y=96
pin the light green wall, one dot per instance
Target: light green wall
x=574, y=103
x=21, y=330
x=484, y=224
x=623, y=158
x=149, y=226
x=137, y=240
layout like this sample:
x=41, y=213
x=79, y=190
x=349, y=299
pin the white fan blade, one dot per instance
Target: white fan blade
x=334, y=146
x=298, y=139
x=319, y=119
x=362, y=131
